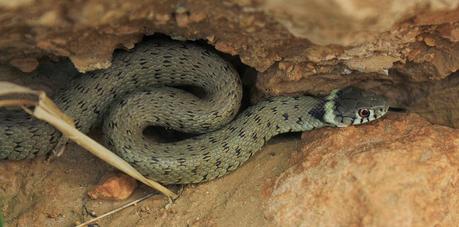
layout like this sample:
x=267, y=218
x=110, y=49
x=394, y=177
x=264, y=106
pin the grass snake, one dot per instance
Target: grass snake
x=141, y=89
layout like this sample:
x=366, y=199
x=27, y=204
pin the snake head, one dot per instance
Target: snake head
x=353, y=106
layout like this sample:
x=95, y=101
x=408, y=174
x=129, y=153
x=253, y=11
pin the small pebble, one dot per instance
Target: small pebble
x=114, y=187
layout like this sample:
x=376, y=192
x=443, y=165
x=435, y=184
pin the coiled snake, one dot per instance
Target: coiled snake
x=140, y=90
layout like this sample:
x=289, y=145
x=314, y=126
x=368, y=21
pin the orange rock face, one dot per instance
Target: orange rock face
x=400, y=171
x=296, y=46
x=114, y=187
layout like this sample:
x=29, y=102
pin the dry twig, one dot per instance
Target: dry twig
x=116, y=210
x=45, y=109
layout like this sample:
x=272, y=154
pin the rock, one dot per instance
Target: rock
x=296, y=46
x=25, y=64
x=435, y=101
x=353, y=21
x=261, y=32
x=114, y=187
x=399, y=171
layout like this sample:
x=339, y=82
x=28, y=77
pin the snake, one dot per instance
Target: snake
x=154, y=85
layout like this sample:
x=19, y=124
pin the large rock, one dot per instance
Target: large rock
x=294, y=39
x=401, y=171
x=295, y=45
x=345, y=22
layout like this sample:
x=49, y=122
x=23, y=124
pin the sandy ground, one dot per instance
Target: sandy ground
x=53, y=193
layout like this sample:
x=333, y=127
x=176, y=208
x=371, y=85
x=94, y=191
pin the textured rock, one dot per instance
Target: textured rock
x=296, y=45
x=345, y=22
x=114, y=187
x=400, y=171
x=436, y=101
x=326, y=35
x=87, y=32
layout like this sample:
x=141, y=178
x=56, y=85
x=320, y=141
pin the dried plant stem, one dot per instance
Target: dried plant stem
x=116, y=210
x=97, y=149
x=46, y=110
x=17, y=102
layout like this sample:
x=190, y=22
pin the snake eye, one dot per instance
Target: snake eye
x=363, y=113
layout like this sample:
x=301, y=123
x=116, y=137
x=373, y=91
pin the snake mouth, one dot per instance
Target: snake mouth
x=397, y=109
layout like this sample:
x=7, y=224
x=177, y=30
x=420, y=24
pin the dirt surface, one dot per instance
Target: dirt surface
x=42, y=193
x=399, y=171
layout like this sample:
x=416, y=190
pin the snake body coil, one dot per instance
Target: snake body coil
x=141, y=90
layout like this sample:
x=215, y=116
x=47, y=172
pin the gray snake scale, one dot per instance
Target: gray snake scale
x=141, y=89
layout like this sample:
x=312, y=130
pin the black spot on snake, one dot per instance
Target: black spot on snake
x=285, y=115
